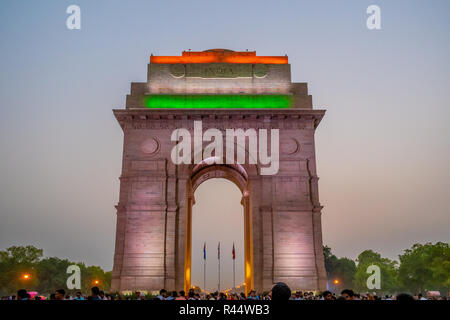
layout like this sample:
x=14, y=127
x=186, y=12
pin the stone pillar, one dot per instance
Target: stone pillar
x=171, y=229
x=248, y=243
x=294, y=249
x=267, y=248
x=170, y=243
x=181, y=233
x=188, y=242
x=118, y=255
x=320, y=260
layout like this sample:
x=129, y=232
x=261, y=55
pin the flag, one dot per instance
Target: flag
x=204, y=251
x=218, y=251
x=234, y=252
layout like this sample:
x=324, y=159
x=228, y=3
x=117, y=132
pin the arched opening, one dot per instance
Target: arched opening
x=217, y=216
x=206, y=170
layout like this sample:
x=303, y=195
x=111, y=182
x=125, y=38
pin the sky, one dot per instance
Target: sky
x=383, y=148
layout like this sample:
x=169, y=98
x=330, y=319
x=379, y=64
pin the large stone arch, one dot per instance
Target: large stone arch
x=156, y=195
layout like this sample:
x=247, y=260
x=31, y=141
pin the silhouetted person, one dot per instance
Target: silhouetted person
x=252, y=295
x=281, y=292
x=60, y=294
x=327, y=295
x=404, y=297
x=103, y=297
x=22, y=294
x=173, y=296
x=95, y=293
x=78, y=296
x=348, y=294
x=420, y=297
x=182, y=296
x=162, y=294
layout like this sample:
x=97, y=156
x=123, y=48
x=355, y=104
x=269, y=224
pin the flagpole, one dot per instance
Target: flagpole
x=234, y=259
x=204, y=266
x=218, y=253
x=234, y=278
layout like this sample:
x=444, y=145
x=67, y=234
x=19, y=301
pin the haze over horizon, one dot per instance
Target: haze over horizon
x=383, y=147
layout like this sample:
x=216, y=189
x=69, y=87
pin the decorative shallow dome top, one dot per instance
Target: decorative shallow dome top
x=219, y=50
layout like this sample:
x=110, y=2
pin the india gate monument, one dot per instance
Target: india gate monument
x=206, y=95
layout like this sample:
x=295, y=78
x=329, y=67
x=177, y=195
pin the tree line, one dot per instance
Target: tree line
x=423, y=267
x=24, y=267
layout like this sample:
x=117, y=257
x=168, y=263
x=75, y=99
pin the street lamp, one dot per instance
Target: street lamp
x=336, y=281
x=26, y=276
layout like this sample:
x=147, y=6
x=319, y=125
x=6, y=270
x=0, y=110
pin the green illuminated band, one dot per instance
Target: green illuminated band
x=218, y=101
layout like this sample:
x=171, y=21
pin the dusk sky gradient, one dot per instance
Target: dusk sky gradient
x=383, y=147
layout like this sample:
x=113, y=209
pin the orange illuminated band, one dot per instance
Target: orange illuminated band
x=214, y=57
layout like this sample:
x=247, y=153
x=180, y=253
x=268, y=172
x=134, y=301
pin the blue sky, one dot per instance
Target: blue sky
x=383, y=148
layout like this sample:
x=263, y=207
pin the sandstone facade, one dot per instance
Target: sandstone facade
x=282, y=212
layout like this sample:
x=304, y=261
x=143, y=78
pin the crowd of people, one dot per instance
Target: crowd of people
x=279, y=292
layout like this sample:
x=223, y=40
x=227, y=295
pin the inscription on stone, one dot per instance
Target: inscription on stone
x=219, y=70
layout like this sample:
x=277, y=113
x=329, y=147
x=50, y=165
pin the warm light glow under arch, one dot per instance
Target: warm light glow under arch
x=236, y=174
